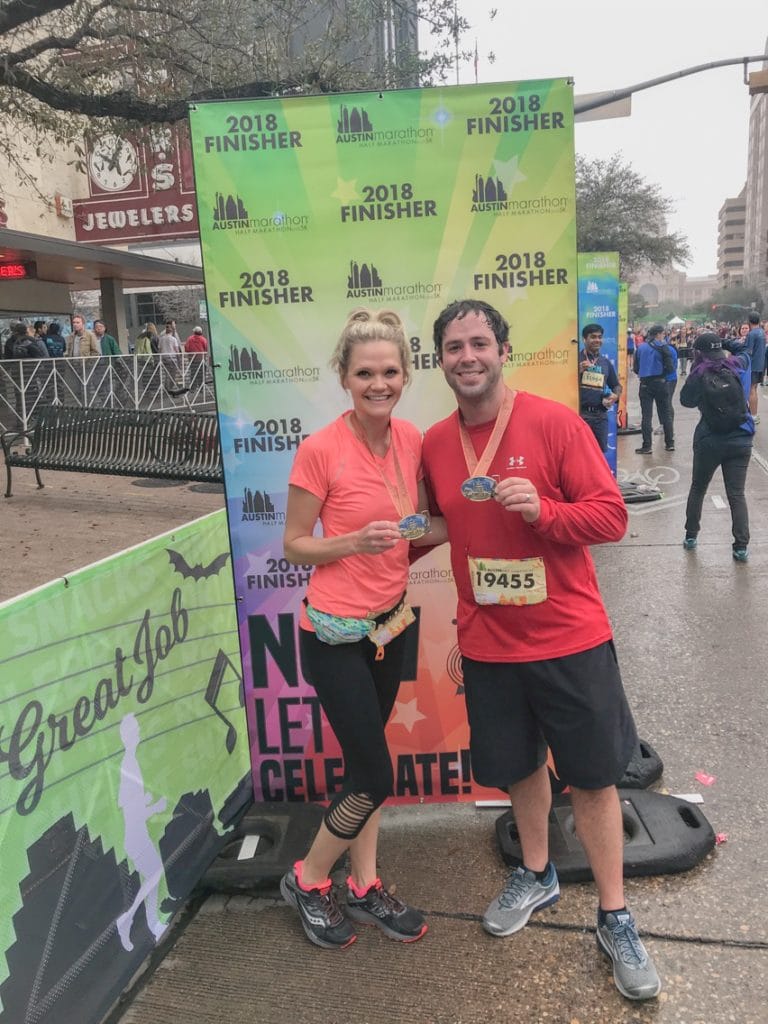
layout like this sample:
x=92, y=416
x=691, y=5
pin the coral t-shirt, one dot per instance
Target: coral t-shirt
x=339, y=469
x=581, y=504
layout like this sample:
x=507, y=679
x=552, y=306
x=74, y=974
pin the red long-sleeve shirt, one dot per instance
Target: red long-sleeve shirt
x=581, y=504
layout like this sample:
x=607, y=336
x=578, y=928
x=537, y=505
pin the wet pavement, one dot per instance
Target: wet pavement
x=690, y=631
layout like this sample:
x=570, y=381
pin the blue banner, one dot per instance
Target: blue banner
x=598, y=289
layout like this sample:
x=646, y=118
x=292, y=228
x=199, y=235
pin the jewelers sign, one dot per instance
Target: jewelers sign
x=140, y=188
x=309, y=207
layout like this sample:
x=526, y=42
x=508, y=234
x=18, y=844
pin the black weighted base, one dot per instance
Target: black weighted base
x=623, y=431
x=635, y=493
x=662, y=835
x=645, y=767
x=285, y=833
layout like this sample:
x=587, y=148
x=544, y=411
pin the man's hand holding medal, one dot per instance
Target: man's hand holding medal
x=516, y=494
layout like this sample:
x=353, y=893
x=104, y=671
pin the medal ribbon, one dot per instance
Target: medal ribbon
x=401, y=499
x=479, y=467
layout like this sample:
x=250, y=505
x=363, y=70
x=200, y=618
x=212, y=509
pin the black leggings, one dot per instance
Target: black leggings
x=733, y=458
x=357, y=694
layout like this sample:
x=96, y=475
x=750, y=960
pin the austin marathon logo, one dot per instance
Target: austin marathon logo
x=230, y=214
x=491, y=193
x=354, y=125
x=365, y=282
x=258, y=508
x=244, y=364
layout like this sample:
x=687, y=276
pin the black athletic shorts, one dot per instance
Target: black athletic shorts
x=758, y=376
x=574, y=705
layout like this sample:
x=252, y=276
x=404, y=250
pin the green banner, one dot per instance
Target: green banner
x=123, y=751
x=308, y=208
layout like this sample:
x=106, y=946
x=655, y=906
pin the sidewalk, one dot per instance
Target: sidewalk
x=689, y=632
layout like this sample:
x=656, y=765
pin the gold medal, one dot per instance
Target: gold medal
x=415, y=526
x=478, y=488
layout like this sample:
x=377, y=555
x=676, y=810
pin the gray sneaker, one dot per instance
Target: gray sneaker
x=522, y=894
x=633, y=970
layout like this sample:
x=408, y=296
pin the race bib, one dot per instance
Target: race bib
x=518, y=581
x=592, y=379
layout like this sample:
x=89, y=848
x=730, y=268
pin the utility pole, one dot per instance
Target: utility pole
x=757, y=82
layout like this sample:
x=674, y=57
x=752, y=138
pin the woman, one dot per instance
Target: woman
x=360, y=476
x=147, y=341
x=684, y=352
x=721, y=438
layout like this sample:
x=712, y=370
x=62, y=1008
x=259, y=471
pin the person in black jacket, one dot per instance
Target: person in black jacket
x=730, y=449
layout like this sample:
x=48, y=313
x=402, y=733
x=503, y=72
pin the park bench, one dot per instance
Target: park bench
x=168, y=445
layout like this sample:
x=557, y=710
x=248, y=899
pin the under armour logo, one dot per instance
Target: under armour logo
x=516, y=461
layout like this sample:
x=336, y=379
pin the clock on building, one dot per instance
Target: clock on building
x=113, y=163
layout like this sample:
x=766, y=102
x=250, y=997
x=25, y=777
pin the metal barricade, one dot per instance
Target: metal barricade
x=95, y=382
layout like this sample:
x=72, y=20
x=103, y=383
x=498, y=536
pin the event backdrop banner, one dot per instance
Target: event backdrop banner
x=308, y=208
x=123, y=759
x=599, y=304
x=622, y=360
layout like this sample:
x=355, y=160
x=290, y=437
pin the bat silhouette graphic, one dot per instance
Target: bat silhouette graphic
x=196, y=572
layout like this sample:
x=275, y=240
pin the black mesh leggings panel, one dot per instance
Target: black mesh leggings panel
x=357, y=695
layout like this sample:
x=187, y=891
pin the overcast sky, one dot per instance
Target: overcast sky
x=690, y=136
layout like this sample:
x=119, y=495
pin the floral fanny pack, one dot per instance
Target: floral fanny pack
x=345, y=629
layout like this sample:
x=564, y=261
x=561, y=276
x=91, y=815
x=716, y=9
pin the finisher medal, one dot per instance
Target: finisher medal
x=414, y=526
x=478, y=488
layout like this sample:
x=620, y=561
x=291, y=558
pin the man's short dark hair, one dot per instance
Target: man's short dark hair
x=754, y=318
x=459, y=309
x=592, y=329
x=656, y=330
x=102, y=322
x=38, y=324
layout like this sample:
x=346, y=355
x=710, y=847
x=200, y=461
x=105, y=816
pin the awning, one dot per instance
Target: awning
x=83, y=267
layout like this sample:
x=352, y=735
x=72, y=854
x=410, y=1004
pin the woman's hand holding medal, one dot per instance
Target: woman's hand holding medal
x=377, y=537
x=516, y=494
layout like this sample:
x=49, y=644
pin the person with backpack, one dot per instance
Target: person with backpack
x=718, y=385
x=20, y=343
x=54, y=340
x=654, y=363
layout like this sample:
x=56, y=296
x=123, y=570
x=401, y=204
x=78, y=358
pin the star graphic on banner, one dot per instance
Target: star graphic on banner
x=346, y=191
x=407, y=714
x=508, y=171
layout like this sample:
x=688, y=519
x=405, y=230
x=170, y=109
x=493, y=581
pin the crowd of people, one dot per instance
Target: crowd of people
x=727, y=367
x=46, y=339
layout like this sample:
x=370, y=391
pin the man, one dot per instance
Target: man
x=81, y=341
x=653, y=364
x=599, y=386
x=170, y=348
x=109, y=345
x=532, y=628
x=755, y=349
x=170, y=328
x=20, y=342
x=41, y=333
x=37, y=338
x=197, y=341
